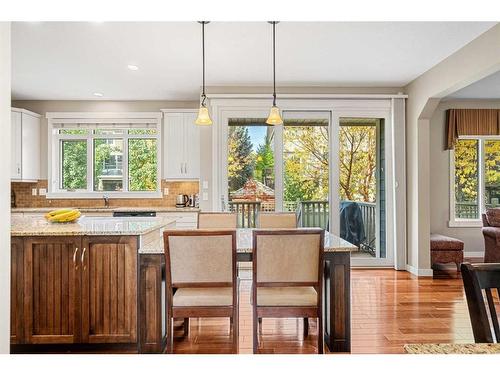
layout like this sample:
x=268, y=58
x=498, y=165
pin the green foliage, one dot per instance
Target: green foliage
x=466, y=173
x=264, y=162
x=142, y=162
x=240, y=157
x=305, y=163
x=74, y=165
x=358, y=163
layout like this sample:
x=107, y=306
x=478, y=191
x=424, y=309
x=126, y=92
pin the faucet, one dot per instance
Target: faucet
x=106, y=201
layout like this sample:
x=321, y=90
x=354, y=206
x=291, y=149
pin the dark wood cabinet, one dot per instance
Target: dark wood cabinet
x=109, y=289
x=51, y=290
x=16, y=290
x=73, y=289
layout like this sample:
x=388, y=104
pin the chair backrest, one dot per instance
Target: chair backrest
x=217, y=220
x=196, y=258
x=288, y=257
x=279, y=220
x=476, y=278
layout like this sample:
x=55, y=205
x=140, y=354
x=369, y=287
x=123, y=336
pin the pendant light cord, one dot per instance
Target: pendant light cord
x=274, y=63
x=203, y=96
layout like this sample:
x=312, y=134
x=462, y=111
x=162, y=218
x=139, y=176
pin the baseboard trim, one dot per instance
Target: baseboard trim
x=473, y=254
x=422, y=272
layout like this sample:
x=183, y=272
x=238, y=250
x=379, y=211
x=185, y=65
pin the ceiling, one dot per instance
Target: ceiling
x=65, y=60
x=486, y=88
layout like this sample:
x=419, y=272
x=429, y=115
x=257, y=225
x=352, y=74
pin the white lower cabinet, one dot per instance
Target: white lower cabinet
x=183, y=220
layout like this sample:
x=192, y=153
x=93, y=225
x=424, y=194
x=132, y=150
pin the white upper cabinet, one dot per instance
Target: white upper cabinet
x=25, y=134
x=181, y=145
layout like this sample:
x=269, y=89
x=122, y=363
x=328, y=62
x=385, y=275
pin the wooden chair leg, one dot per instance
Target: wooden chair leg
x=255, y=334
x=236, y=329
x=186, y=326
x=320, y=334
x=170, y=335
x=306, y=327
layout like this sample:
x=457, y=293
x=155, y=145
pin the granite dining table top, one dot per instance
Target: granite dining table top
x=332, y=243
x=452, y=348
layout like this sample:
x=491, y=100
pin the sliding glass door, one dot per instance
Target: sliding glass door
x=279, y=168
x=362, y=194
x=306, y=167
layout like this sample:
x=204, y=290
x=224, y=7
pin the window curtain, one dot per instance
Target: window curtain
x=471, y=122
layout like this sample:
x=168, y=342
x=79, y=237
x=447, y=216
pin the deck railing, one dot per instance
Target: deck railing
x=369, y=215
x=309, y=214
x=247, y=213
x=313, y=214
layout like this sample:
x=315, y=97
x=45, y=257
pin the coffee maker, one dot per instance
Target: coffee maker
x=182, y=200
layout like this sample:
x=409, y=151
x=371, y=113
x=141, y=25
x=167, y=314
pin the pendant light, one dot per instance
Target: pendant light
x=274, y=115
x=203, y=114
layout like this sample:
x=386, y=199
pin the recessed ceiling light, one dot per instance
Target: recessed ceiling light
x=99, y=94
x=133, y=67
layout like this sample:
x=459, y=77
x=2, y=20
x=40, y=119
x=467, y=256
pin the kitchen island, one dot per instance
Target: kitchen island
x=336, y=287
x=76, y=284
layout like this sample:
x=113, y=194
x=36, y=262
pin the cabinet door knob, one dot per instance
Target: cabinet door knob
x=83, y=258
x=74, y=258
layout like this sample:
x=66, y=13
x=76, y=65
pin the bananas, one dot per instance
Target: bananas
x=65, y=215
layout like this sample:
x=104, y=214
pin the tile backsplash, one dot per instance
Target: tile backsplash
x=25, y=199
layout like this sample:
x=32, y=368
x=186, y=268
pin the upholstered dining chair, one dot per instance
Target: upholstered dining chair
x=277, y=220
x=201, y=277
x=476, y=278
x=217, y=220
x=287, y=270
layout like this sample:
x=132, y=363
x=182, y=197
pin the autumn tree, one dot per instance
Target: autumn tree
x=264, y=162
x=466, y=181
x=305, y=163
x=240, y=161
x=358, y=163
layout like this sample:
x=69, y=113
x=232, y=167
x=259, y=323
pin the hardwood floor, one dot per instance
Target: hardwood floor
x=389, y=309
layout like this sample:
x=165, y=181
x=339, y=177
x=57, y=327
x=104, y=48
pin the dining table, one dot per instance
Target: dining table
x=336, y=290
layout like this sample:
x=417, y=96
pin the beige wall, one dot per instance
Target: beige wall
x=5, y=155
x=439, y=175
x=469, y=64
x=44, y=106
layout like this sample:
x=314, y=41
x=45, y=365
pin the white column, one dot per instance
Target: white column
x=5, y=187
x=399, y=142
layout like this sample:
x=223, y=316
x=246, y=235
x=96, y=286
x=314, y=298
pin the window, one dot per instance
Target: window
x=475, y=179
x=118, y=159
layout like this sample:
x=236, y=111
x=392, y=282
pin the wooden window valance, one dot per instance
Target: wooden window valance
x=471, y=122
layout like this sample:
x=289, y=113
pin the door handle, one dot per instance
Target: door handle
x=74, y=258
x=83, y=258
x=185, y=168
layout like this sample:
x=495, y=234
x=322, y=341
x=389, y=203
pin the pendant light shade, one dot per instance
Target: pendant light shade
x=203, y=116
x=274, y=115
x=203, y=113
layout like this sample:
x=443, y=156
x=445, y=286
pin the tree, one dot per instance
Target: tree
x=358, y=163
x=74, y=165
x=264, y=162
x=466, y=174
x=305, y=163
x=240, y=159
x=142, y=161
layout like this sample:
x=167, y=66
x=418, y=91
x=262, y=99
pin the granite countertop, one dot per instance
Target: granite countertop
x=87, y=225
x=43, y=210
x=333, y=243
x=452, y=348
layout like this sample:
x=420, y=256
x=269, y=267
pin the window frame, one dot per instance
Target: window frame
x=455, y=222
x=89, y=120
